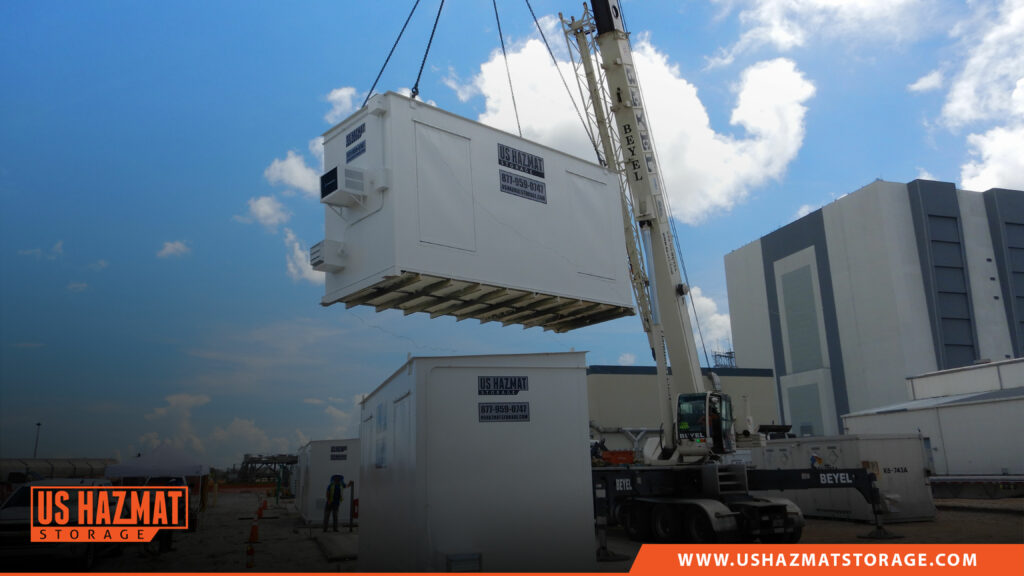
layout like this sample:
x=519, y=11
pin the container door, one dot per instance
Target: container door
x=444, y=184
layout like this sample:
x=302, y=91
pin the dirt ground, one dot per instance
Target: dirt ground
x=284, y=544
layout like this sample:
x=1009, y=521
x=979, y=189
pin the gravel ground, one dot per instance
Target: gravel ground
x=286, y=545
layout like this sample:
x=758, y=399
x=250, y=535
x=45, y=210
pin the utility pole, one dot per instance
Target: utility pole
x=35, y=451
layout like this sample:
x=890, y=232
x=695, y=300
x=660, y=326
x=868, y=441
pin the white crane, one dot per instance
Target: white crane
x=699, y=422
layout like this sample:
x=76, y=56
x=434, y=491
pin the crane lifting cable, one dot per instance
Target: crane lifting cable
x=416, y=86
x=393, y=46
x=508, y=72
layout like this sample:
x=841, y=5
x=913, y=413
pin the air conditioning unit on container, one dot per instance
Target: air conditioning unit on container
x=327, y=256
x=350, y=187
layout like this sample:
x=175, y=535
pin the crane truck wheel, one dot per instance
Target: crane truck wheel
x=667, y=523
x=637, y=521
x=697, y=527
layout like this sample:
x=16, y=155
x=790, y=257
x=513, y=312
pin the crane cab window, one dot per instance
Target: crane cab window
x=691, y=414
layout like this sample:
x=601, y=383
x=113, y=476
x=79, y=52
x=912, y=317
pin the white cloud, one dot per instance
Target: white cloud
x=931, y=81
x=923, y=174
x=709, y=171
x=176, y=402
x=713, y=325
x=998, y=160
x=55, y=252
x=241, y=437
x=267, y=211
x=789, y=24
x=343, y=103
x=463, y=90
x=345, y=423
x=302, y=438
x=77, y=287
x=988, y=95
x=298, y=261
x=316, y=148
x=99, y=265
x=176, y=248
x=804, y=210
x=627, y=359
x=175, y=420
x=293, y=171
x=314, y=401
x=987, y=86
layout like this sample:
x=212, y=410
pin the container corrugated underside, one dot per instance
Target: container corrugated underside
x=412, y=292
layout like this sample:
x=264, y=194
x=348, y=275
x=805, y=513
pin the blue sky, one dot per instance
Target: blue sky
x=156, y=161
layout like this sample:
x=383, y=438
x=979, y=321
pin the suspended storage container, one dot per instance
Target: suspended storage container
x=430, y=212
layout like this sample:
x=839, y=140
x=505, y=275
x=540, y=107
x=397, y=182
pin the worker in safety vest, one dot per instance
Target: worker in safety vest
x=335, y=491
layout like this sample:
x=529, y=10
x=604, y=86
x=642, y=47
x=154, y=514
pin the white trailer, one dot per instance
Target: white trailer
x=318, y=461
x=478, y=463
x=430, y=212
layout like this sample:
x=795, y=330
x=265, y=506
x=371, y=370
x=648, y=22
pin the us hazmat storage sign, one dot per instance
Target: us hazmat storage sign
x=517, y=184
x=503, y=386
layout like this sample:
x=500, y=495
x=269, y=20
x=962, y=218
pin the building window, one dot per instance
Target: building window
x=801, y=311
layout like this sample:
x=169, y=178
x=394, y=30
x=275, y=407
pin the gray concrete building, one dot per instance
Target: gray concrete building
x=887, y=283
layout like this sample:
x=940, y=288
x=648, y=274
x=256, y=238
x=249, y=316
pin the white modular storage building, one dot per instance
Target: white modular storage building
x=899, y=462
x=318, y=461
x=969, y=418
x=976, y=434
x=430, y=212
x=478, y=463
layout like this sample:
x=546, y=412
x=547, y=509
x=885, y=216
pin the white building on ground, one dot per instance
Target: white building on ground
x=888, y=283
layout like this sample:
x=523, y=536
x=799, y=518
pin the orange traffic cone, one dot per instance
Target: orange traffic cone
x=254, y=533
x=265, y=504
x=259, y=512
x=250, y=556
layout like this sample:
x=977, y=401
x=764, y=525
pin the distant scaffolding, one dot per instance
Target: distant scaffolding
x=268, y=469
x=724, y=359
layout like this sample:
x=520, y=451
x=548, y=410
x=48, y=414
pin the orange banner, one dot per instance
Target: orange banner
x=764, y=560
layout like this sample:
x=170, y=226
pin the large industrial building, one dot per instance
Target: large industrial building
x=887, y=283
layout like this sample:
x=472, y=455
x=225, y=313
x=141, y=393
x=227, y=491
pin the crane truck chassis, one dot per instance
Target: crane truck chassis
x=713, y=502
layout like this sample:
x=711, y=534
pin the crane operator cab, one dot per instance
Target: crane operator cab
x=705, y=422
